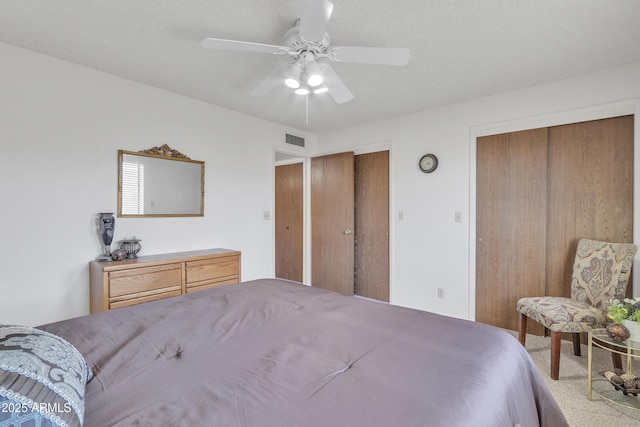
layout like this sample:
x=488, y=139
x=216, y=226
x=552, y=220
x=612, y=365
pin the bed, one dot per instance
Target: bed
x=272, y=352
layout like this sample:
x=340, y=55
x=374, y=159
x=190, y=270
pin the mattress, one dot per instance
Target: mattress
x=272, y=352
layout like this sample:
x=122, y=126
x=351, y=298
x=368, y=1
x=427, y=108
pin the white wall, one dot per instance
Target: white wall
x=429, y=249
x=60, y=128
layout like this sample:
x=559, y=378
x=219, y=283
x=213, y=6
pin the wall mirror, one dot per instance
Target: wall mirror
x=159, y=182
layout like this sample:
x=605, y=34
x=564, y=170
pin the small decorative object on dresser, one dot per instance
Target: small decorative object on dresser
x=131, y=247
x=118, y=254
x=106, y=227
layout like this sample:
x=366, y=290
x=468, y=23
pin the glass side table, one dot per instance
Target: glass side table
x=601, y=385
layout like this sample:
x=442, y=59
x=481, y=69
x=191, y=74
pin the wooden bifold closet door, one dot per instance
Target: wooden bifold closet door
x=332, y=222
x=372, y=225
x=350, y=223
x=511, y=223
x=538, y=192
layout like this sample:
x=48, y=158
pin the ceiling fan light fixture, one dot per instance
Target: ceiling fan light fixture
x=320, y=90
x=292, y=74
x=315, y=80
x=312, y=69
x=292, y=83
x=302, y=91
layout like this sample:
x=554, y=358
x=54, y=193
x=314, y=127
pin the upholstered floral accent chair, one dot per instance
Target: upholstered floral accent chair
x=600, y=272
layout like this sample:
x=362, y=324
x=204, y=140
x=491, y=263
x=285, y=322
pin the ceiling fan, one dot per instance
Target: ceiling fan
x=308, y=47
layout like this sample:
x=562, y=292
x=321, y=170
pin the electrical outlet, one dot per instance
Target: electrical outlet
x=458, y=216
x=266, y=215
x=440, y=293
x=401, y=215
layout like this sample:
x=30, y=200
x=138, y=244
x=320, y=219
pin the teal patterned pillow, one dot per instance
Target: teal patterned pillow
x=42, y=379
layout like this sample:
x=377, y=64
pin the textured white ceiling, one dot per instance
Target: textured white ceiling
x=460, y=49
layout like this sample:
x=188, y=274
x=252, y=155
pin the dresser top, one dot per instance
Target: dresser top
x=163, y=258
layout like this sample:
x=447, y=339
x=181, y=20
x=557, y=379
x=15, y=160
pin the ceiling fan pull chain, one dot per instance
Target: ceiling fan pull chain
x=307, y=102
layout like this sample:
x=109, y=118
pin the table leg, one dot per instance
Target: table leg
x=589, y=359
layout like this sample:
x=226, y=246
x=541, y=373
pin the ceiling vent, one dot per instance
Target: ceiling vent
x=294, y=140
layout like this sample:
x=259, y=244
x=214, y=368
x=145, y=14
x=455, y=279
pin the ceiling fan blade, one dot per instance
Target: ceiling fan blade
x=337, y=89
x=314, y=18
x=235, y=45
x=370, y=55
x=267, y=85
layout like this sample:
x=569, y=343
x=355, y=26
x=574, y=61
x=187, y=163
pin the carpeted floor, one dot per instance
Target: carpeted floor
x=570, y=390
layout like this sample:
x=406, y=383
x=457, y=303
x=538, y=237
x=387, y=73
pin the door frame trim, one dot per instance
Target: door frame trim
x=597, y=112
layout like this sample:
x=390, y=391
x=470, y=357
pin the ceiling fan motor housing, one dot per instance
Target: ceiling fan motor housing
x=297, y=45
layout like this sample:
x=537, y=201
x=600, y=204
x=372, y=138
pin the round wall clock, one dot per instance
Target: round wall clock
x=428, y=163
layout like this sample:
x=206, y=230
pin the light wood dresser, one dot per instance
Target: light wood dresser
x=148, y=278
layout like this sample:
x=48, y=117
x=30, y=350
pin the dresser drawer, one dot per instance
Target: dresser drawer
x=216, y=270
x=211, y=284
x=133, y=300
x=145, y=279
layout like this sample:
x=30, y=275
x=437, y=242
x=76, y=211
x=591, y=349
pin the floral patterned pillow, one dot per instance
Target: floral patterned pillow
x=42, y=379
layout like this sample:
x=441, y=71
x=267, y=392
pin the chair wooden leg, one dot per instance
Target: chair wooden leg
x=617, y=360
x=576, y=343
x=522, y=328
x=556, y=341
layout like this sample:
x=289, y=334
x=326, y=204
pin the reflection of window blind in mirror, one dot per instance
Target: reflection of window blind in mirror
x=132, y=188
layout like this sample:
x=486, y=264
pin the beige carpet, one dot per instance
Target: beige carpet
x=570, y=390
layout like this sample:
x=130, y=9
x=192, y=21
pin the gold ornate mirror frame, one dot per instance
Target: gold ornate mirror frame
x=159, y=182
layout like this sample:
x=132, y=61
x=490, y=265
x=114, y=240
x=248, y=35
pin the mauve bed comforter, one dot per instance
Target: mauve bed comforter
x=276, y=353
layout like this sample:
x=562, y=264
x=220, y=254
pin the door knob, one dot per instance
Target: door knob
x=347, y=231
